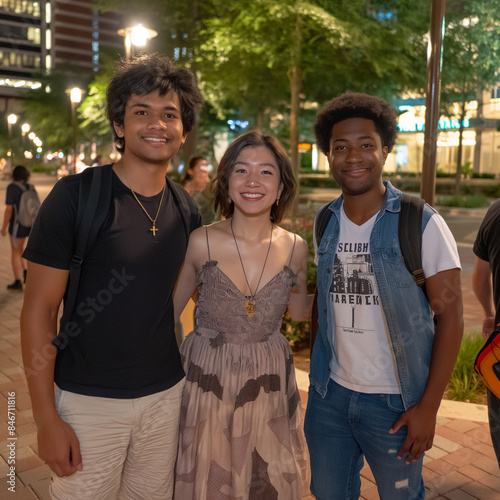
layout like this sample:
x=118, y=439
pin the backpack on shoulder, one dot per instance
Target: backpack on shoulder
x=410, y=241
x=29, y=204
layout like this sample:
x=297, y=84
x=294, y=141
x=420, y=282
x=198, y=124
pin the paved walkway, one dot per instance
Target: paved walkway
x=460, y=466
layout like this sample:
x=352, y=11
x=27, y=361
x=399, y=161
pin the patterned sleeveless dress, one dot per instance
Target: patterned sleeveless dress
x=241, y=434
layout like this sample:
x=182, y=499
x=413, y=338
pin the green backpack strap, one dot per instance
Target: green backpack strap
x=410, y=236
x=94, y=200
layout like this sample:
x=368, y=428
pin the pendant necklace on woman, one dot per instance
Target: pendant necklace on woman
x=250, y=305
x=154, y=229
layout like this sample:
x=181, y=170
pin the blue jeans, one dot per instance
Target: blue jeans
x=347, y=425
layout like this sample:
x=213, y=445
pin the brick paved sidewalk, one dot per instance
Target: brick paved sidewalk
x=460, y=466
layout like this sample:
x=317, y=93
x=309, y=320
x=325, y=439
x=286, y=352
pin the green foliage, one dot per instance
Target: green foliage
x=465, y=384
x=492, y=191
x=467, y=169
x=92, y=113
x=477, y=201
x=48, y=109
x=483, y=175
x=246, y=53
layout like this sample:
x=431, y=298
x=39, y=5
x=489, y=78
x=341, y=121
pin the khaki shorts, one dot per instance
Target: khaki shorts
x=128, y=446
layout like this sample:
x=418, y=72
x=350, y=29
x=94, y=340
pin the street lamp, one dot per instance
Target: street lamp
x=75, y=95
x=11, y=120
x=137, y=36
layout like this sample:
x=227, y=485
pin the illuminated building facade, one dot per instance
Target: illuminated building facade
x=38, y=36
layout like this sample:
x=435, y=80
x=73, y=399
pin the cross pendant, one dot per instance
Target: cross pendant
x=153, y=229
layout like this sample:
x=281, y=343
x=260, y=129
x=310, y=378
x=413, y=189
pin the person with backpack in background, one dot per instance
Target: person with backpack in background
x=110, y=428
x=379, y=364
x=17, y=220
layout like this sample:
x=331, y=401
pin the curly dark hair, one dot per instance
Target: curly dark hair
x=255, y=138
x=144, y=74
x=354, y=105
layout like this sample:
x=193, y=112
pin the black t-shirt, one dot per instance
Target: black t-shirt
x=126, y=347
x=487, y=247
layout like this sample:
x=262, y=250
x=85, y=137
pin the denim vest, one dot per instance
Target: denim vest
x=407, y=312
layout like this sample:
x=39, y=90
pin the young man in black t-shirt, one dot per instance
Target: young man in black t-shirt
x=486, y=284
x=110, y=428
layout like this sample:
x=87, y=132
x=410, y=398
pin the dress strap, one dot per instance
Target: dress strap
x=293, y=249
x=208, y=245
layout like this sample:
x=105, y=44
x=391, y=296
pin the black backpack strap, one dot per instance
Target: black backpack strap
x=93, y=207
x=322, y=220
x=410, y=236
x=190, y=214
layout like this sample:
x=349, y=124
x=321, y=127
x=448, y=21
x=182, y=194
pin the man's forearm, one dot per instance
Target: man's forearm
x=447, y=339
x=39, y=360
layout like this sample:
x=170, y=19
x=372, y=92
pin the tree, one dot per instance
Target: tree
x=471, y=58
x=48, y=108
x=263, y=54
x=265, y=59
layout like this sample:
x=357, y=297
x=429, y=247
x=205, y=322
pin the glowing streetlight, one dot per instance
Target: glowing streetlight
x=25, y=128
x=11, y=120
x=137, y=36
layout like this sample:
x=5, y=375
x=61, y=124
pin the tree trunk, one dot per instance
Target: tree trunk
x=295, y=83
x=458, y=174
x=479, y=130
x=294, y=119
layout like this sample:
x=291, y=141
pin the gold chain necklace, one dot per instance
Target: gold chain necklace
x=250, y=305
x=154, y=229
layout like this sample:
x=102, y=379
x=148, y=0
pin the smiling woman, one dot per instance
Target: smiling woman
x=240, y=383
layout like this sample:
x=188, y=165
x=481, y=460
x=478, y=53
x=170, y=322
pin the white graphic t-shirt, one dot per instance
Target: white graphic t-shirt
x=363, y=359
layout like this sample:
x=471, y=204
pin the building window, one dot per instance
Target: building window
x=19, y=60
x=29, y=7
x=33, y=35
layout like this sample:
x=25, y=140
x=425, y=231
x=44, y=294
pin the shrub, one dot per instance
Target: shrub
x=492, y=191
x=465, y=384
x=476, y=201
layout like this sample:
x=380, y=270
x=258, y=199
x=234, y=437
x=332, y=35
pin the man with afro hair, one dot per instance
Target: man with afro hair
x=379, y=364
